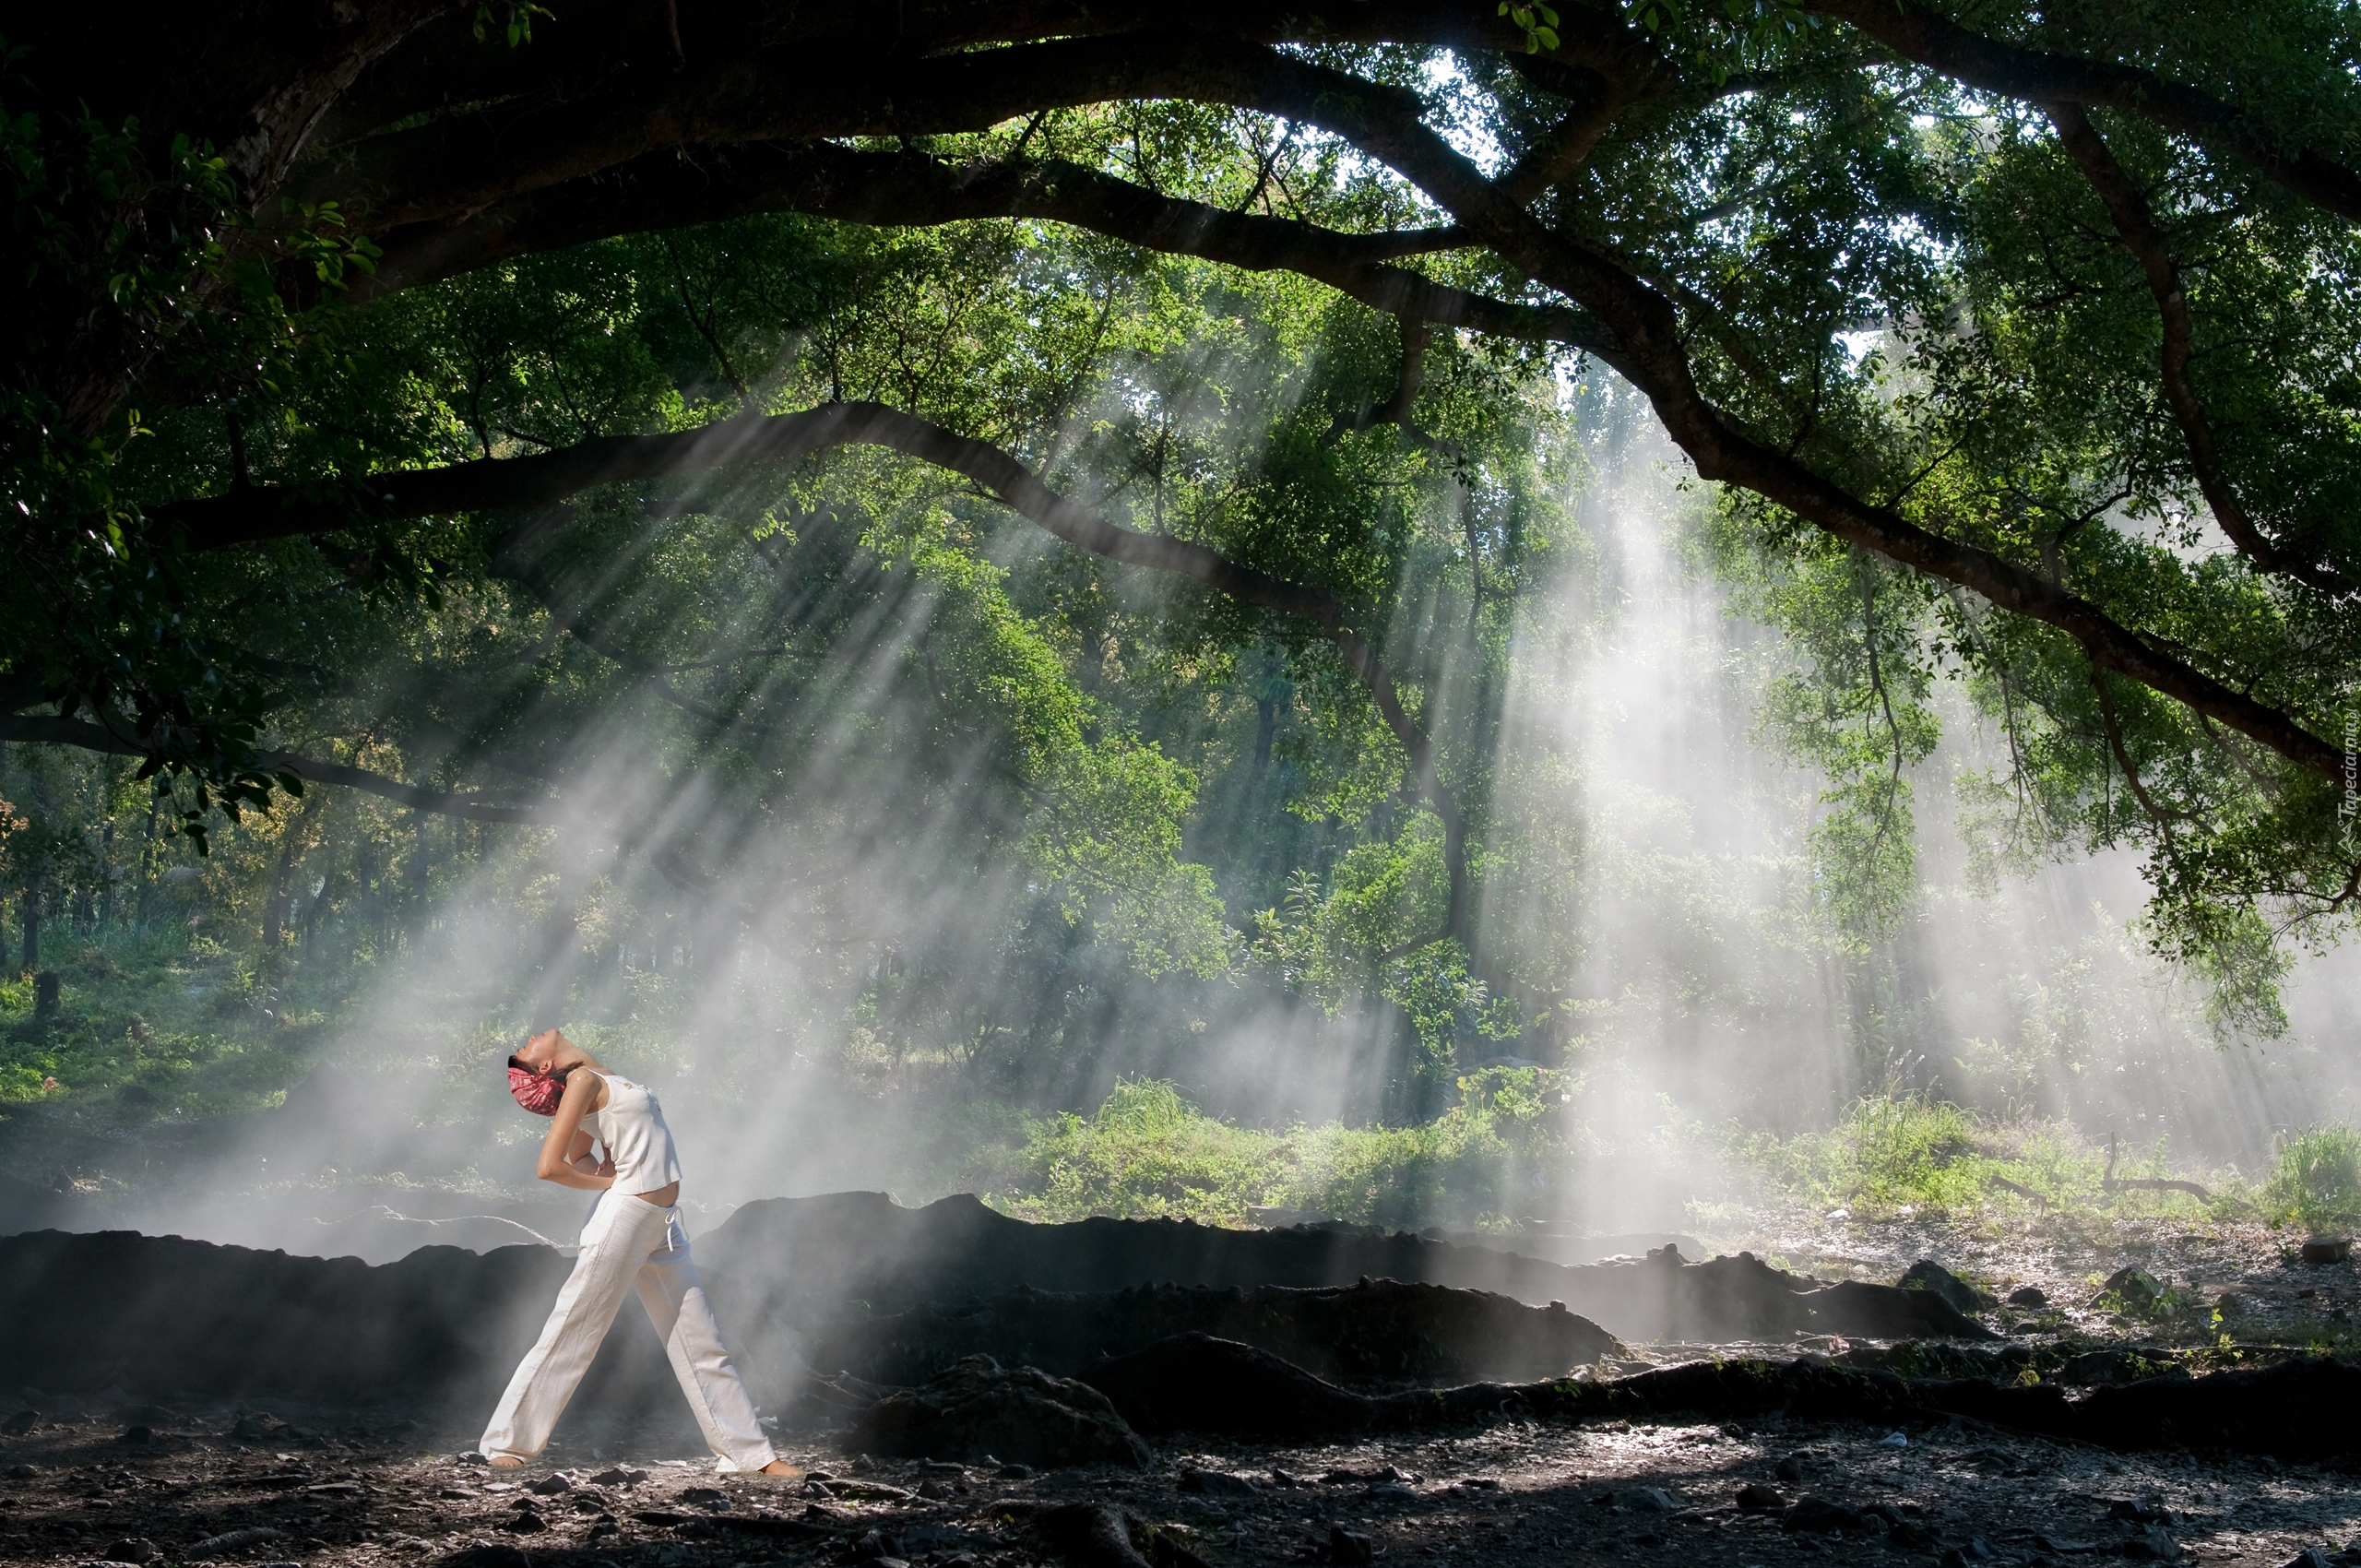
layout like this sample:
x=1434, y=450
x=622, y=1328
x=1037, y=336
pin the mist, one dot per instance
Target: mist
x=844, y=980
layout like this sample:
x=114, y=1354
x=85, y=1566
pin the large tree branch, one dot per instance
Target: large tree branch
x=2135, y=225
x=41, y=731
x=662, y=191
x=2035, y=76
x=1386, y=125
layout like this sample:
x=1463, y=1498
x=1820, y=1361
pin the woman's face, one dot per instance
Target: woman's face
x=540, y=1054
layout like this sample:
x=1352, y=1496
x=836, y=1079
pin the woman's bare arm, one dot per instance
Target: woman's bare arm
x=558, y=1150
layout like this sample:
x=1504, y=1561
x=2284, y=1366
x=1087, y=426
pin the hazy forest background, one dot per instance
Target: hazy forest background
x=900, y=846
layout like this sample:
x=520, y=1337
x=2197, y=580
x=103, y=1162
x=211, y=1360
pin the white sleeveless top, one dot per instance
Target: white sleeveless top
x=632, y=1131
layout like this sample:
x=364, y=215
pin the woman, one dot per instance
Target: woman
x=634, y=1239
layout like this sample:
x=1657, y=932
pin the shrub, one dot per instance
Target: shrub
x=2317, y=1183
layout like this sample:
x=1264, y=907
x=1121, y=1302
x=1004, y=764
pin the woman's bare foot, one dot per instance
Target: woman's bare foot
x=505, y=1462
x=782, y=1469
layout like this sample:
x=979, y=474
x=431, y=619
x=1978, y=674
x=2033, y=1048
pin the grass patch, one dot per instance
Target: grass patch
x=2317, y=1181
x=1148, y=1153
x=1888, y=1157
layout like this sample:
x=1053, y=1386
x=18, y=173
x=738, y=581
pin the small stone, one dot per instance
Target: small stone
x=2028, y=1296
x=1817, y=1516
x=1351, y=1549
x=1790, y=1469
x=258, y=1426
x=137, y=1549
x=1912, y=1535
x=2327, y=1249
x=618, y=1475
x=23, y=1472
x=863, y=1465
x=1929, y=1275
x=1649, y=1499
x=486, y=1557
x=937, y=1492
x=2310, y=1557
x=1014, y=1473
x=2152, y=1545
x=1756, y=1498
x=20, y=1423
x=138, y=1437
x=1894, y=1440
x=525, y=1522
x=1216, y=1483
x=553, y=1484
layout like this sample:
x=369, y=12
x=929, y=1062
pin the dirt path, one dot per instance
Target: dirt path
x=347, y=1491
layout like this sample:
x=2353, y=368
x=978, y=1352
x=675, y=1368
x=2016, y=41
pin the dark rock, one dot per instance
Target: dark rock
x=2111, y=1367
x=232, y=1540
x=2310, y=1557
x=2146, y=1511
x=20, y=1423
x=937, y=1492
x=1196, y=1383
x=1014, y=1473
x=485, y=1557
x=1911, y=1535
x=553, y=1484
x=138, y=1437
x=23, y=1472
x=1756, y=1498
x=874, y=1544
x=1216, y=1483
x=1648, y=1499
x=2139, y=1291
x=1790, y=1469
x=525, y=1522
x=1376, y=1328
x=2327, y=1249
x=1929, y=1274
x=1351, y=1549
x=2062, y=1546
x=618, y=1475
x=2151, y=1544
x=2028, y=1296
x=978, y=1407
x=1817, y=1516
x=1088, y=1536
x=136, y=1549
x=259, y=1426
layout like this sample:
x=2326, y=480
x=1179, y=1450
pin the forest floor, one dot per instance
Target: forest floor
x=97, y=1481
x=1513, y=1492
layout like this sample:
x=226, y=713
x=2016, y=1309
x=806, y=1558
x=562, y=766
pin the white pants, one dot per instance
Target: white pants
x=630, y=1241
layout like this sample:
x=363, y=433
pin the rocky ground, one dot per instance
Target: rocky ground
x=105, y=1478
x=2254, y=1274
x=78, y=1491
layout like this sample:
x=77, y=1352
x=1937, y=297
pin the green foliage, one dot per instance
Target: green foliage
x=1892, y=1154
x=1147, y=1153
x=2317, y=1181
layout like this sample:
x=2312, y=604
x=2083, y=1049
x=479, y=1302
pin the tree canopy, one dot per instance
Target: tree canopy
x=738, y=425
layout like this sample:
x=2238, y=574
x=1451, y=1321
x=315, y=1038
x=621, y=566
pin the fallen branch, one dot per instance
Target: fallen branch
x=2112, y=1184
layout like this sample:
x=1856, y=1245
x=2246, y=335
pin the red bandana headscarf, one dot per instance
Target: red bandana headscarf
x=534, y=1092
